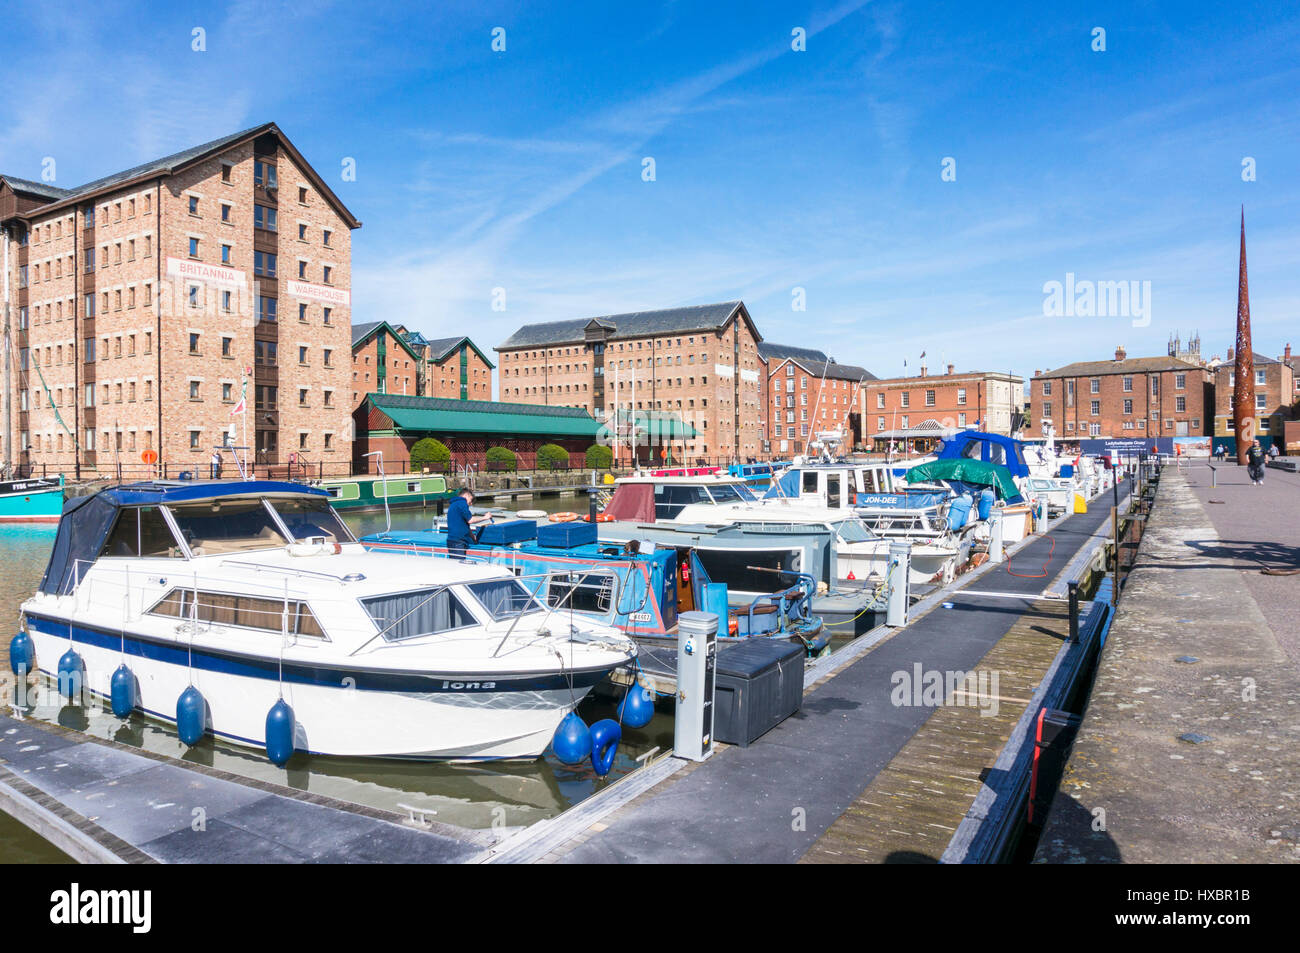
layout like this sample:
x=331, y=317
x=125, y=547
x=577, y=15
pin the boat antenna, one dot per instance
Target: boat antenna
x=388, y=517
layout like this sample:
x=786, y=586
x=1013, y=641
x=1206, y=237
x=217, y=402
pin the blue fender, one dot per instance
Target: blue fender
x=71, y=674
x=279, y=733
x=22, y=654
x=191, y=716
x=605, y=735
x=122, y=693
x=637, y=707
x=572, y=741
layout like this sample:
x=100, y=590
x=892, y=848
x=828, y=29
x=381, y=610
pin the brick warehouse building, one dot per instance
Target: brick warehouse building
x=382, y=362
x=139, y=304
x=700, y=362
x=452, y=367
x=808, y=397
x=957, y=400
x=1127, y=397
x=1274, y=400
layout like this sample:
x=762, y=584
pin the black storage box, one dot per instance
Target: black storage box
x=758, y=685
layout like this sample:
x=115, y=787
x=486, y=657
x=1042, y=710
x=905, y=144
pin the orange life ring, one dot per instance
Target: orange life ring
x=562, y=517
x=604, y=518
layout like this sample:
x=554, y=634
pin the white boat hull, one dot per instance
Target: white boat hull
x=443, y=723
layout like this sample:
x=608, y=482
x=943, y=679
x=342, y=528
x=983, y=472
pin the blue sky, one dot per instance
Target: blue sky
x=774, y=169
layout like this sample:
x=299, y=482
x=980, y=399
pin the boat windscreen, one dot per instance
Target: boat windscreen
x=503, y=598
x=306, y=518
x=731, y=493
x=227, y=526
x=853, y=531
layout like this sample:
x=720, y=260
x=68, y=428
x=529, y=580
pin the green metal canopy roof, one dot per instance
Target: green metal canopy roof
x=444, y=415
x=659, y=423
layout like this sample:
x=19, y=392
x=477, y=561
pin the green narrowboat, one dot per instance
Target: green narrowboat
x=368, y=492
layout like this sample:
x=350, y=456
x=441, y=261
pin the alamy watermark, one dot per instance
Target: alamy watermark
x=1084, y=298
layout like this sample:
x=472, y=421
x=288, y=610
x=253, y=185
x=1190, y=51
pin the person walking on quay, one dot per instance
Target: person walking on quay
x=460, y=532
x=216, y=464
x=1272, y=451
x=1255, y=463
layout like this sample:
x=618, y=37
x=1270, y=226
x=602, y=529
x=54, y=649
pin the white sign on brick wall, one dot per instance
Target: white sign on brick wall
x=322, y=293
x=197, y=271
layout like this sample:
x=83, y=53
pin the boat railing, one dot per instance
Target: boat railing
x=575, y=579
x=127, y=586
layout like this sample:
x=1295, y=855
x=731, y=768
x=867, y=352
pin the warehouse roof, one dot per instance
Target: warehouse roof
x=1132, y=365
x=361, y=333
x=441, y=348
x=168, y=165
x=829, y=369
x=444, y=415
x=770, y=350
x=634, y=324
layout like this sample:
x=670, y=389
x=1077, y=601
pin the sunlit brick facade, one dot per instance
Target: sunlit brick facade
x=140, y=304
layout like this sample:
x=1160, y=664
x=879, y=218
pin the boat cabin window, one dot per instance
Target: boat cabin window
x=869, y=481
x=731, y=493
x=810, y=482
x=504, y=598
x=581, y=592
x=245, y=612
x=833, y=490
x=306, y=518
x=672, y=498
x=141, y=531
x=227, y=526
x=410, y=615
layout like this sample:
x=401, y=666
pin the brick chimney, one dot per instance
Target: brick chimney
x=1286, y=353
x=1120, y=353
x=1037, y=373
x=922, y=370
x=950, y=366
x=1232, y=354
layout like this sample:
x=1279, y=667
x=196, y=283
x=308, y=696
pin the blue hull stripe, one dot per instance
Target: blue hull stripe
x=370, y=680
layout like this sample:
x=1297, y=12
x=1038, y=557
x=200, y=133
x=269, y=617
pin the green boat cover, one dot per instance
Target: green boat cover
x=968, y=471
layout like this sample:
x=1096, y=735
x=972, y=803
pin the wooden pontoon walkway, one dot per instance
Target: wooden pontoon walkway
x=784, y=798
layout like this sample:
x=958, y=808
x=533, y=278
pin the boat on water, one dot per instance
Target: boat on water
x=757, y=475
x=34, y=500
x=364, y=492
x=250, y=592
x=718, y=500
x=631, y=583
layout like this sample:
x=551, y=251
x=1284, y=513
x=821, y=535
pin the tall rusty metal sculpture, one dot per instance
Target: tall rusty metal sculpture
x=1243, y=388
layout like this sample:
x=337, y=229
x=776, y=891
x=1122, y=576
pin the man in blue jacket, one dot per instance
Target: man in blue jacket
x=460, y=533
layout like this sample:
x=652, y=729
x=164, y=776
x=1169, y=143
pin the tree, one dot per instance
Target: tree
x=428, y=452
x=501, y=458
x=552, y=457
x=599, y=457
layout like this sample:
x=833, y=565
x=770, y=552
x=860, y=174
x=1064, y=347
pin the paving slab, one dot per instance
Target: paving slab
x=1135, y=792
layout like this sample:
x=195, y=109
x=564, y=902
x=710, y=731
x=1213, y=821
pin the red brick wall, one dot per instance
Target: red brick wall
x=1072, y=421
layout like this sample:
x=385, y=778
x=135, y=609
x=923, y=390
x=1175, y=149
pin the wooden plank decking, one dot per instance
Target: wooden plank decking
x=910, y=811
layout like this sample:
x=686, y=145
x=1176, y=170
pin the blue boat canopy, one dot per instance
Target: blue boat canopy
x=87, y=520
x=988, y=448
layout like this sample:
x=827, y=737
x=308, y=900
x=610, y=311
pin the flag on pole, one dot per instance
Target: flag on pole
x=242, y=406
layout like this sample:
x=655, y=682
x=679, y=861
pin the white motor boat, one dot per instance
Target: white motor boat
x=255, y=591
